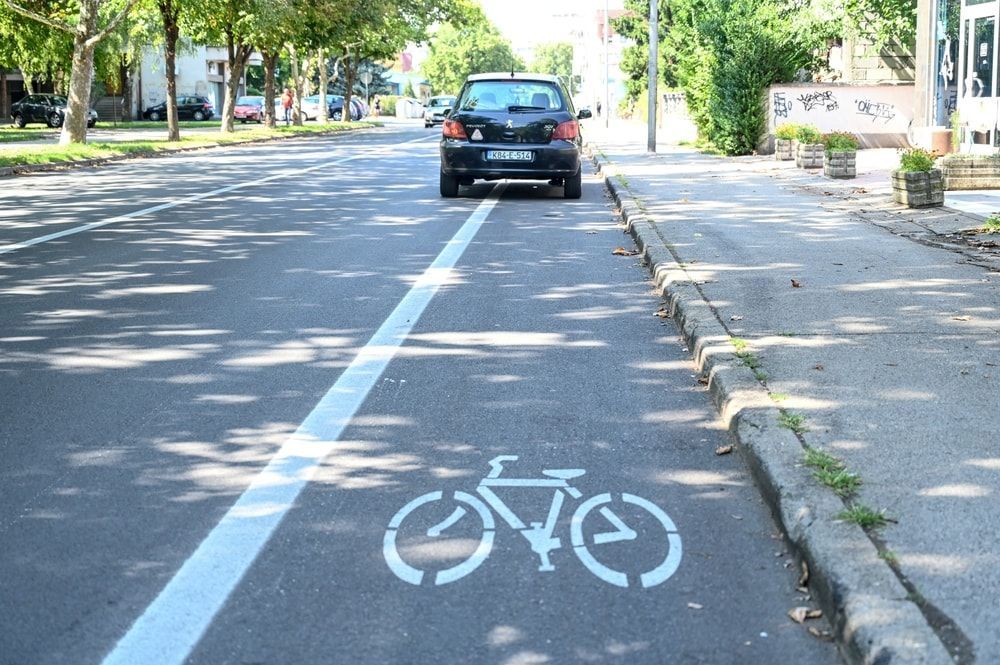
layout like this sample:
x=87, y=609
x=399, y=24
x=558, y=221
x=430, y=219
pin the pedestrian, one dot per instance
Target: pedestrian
x=378, y=106
x=598, y=108
x=286, y=103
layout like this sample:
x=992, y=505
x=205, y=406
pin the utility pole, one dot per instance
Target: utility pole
x=654, y=39
x=607, y=83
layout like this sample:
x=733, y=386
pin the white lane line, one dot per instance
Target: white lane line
x=171, y=626
x=5, y=249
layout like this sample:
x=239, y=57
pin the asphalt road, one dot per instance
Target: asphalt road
x=284, y=404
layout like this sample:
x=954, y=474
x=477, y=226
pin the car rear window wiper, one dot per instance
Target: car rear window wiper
x=518, y=108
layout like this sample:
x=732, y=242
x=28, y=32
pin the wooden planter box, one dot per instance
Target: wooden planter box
x=840, y=164
x=918, y=189
x=970, y=172
x=784, y=150
x=809, y=156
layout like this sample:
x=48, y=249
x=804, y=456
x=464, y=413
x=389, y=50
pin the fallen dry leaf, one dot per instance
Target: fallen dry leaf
x=703, y=380
x=801, y=614
x=804, y=577
x=961, y=318
x=818, y=367
x=621, y=251
x=662, y=313
x=796, y=284
x=820, y=634
x=723, y=450
x=696, y=606
x=736, y=317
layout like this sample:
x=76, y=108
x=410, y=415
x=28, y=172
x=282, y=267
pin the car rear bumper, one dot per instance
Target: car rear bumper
x=559, y=159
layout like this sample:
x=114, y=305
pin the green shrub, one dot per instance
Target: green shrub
x=786, y=131
x=916, y=159
x=840, y=141
x=808, y=134
x=388, y=103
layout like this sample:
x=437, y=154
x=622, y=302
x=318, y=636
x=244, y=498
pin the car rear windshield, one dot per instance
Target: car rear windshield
x=442, y=101
x=249, y=101
x=511, y=96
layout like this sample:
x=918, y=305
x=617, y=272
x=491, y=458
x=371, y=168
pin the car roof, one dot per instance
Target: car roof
x=517, y=76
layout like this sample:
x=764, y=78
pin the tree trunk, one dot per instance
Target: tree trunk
x=270, y=64
x=171, y=31
x=74, y=128
x=4, y=110
x=293, y=57
x=351, y=68
x=321, y=59
x=238, y=56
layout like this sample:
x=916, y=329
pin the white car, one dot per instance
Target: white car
x=436, y=109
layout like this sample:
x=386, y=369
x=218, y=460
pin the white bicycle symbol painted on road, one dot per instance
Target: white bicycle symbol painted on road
x=539, y=535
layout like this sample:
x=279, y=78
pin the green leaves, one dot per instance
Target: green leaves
x=456, y=52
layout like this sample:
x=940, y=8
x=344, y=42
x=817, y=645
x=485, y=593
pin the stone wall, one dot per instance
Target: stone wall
x=865, y=63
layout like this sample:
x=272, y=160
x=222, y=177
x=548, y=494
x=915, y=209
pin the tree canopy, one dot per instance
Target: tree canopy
x=457, y=51
x=557, y=59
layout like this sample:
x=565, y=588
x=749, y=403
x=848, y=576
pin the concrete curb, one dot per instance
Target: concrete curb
x=8, y=171
x=873, y=619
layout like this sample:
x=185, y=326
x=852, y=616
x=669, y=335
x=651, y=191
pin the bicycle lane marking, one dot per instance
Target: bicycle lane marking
x=13, y=247
x=171, y=626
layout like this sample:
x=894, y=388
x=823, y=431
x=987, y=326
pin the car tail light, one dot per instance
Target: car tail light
x=453, y=129
x=566, y=130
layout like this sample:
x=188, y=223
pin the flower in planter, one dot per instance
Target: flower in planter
x=916, y=160
x=808, y=134
x=840, y=142
x=786, y=131
x=916, y=182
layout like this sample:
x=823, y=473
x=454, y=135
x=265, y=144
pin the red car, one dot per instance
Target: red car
x=249, y=108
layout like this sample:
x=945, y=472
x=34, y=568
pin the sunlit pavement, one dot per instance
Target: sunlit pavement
x=262, y=404
x=886, y=348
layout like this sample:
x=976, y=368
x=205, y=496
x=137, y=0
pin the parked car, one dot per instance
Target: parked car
x=335, y=108
x=50, y=109
x=250, y=108
x=436, y=109
x=189, y=107
x=519, y=126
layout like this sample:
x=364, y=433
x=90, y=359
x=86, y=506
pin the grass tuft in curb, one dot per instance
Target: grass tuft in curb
x=793, y=421
x=865, y=517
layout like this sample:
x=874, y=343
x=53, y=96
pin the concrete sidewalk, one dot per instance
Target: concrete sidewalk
x=826, y=317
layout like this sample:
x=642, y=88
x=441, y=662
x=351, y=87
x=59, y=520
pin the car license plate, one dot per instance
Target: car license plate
x=510, y=155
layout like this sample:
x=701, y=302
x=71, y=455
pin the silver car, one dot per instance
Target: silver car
x=436, y=109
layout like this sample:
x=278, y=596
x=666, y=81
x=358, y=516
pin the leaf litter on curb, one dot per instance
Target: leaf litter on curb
x=662, y=313
x=802, y=614
x=621, y=251
x=724, y=450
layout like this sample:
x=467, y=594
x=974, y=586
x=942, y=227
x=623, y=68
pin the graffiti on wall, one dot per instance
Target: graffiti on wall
x=858, y=108
x=781, y=105
x=823, y=100
x=876, y=110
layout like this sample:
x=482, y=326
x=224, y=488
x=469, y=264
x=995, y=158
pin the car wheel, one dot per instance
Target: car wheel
x=55, y=120
x=428, y=125
x=573, y=186
x=338, y=115
x=92, y=124
x=449, y=185
x=19, y=121
x=154, y=116
x=199, y=115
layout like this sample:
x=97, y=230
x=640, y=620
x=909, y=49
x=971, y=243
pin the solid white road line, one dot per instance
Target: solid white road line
x=13, y=247
x=171, y=626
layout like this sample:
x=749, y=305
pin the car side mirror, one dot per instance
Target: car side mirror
x=445, y=111
x=584, y=114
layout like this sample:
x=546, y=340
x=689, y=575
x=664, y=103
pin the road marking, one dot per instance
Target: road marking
x=13, y=247
x=539, y=535
x=171, y=626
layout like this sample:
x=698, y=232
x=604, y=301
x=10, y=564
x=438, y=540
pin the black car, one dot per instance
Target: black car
x=50, y=109
x=335, y=108
x=189, y=107
x=519, y=126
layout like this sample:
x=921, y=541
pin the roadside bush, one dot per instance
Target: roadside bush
x=808, y=134
x=916, y=159
x=388, y=104
x=840, y=141
x=786, y=131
